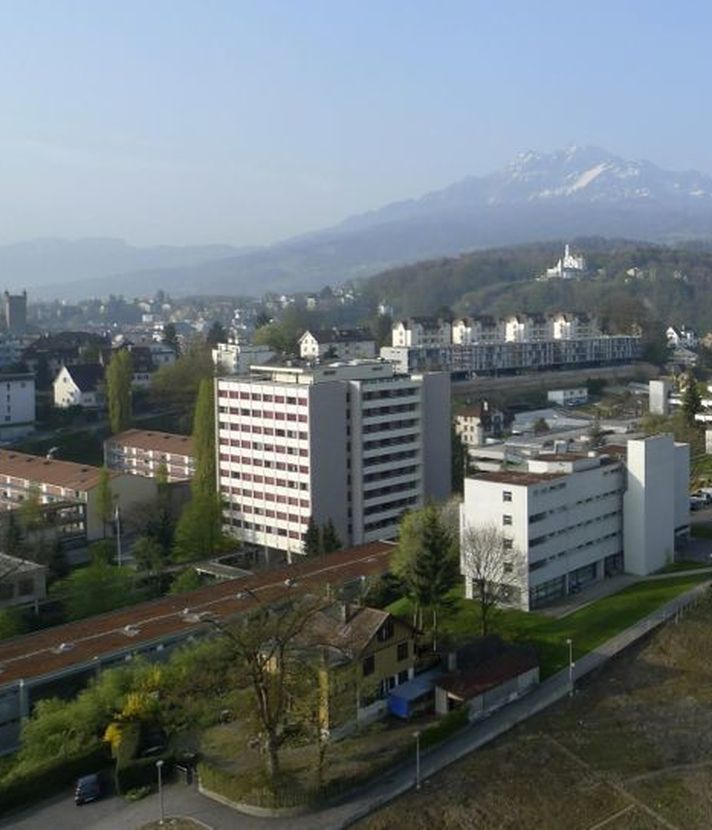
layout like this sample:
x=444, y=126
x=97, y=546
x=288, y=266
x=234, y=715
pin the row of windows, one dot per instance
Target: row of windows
x=539, y=540
x=259, y=446
x=267, y=414
x=534, y=566
x=265, y=496
x=258, y=479
x=260, y=528
x=265, y=397
x=260, y=430
x=390, y=426
x=264, y=462
x=293, y=518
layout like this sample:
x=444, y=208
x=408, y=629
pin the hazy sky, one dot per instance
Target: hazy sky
x=244, y=122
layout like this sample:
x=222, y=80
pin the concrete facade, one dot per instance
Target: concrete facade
x=236, y=358
x=353, y=443
x=659, y=397
x=17, y=405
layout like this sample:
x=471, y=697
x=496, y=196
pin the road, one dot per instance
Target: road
x=115, y=814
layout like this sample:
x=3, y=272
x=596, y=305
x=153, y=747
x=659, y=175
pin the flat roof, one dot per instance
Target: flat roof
x=32, y=656
x=37, y=468
x=152, y=439
x=515, y=477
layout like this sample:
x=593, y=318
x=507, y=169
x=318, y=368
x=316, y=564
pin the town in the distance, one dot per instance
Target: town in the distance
x=299, y=552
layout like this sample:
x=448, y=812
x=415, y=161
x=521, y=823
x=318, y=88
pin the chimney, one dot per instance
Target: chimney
x=346, y=612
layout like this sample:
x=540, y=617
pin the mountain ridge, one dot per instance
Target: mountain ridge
x=577, y=191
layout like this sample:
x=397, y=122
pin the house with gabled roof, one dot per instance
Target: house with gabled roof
x=340, y=344
x=80, y=385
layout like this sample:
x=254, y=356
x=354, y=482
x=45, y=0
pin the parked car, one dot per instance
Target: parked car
x=696, y=503
x=88, y=789
x=703, y=493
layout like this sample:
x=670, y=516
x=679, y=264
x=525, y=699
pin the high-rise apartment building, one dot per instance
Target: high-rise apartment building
x=352, y=443
x=16, y=312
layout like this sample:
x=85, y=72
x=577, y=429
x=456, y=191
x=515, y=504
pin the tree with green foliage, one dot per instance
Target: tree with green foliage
x=176, y=384
x=12, y=623
x=691, y=398
x=105, y=499
x=119, y=377
x=187, y=580
x=312, y=539
x=459, y=461
x=13, y=536
x=329, y=538
x=148, y=555
x=170, y=337
x=92, y=590
x=540, y=426
x=216, y=334
x=427, y=562
x=198, y=534
x=204, y=481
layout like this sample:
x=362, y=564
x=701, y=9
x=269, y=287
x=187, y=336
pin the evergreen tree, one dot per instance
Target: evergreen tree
x=458, y=467
x=170, y=337
x=329, y=538
x=105, y=499
x=198, y=534
x=312, y=539
x=119, y=375
x=691, y=399
x=216, y=334
x=427, y=562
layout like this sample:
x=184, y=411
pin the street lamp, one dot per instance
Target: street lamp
x=159, y=768
x=570, y=644
x=416, y=735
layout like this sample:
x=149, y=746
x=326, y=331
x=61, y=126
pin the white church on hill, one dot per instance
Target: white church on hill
x=568, y=267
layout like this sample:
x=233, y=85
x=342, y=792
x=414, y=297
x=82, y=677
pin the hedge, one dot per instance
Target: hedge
x=17, y=789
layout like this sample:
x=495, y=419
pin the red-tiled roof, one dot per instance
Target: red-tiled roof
x=35, y=655
x=144, y=439
x=493, y=672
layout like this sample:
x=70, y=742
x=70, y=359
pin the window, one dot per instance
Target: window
x=507, y=519
x=385, y=632
x=507, y=544
x=403, y=676
x=403, y=651
x=506, y=495
x=508, y=567
x=369, y=665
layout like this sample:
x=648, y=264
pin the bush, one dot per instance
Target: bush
x=133, y=773
x=22, y=783
x=449, y=724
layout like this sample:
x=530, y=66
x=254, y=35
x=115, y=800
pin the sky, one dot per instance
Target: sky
x=176, y=122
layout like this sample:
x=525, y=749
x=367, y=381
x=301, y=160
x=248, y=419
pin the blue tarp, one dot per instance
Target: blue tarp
x=402, y=697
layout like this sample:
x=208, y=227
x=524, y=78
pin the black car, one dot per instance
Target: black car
x=88, y=789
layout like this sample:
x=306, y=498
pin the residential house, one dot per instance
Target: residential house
x=17, y=405
x=421, y=331
x=475, y=423
x=21, y=582
x=80, y=385
x=341, y=344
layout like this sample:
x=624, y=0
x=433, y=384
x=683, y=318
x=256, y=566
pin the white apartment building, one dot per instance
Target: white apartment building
x=466, y=330
x=421, y=331
x=236, y=358
x=568, y=519
x=145, y=453
x=17, y=405
x=341, y=344
x=353, y=443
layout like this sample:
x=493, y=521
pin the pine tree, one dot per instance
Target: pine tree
x=691, y=399
x=119, y=375
x=329, y=538
x=105, y=499
x=312, y=539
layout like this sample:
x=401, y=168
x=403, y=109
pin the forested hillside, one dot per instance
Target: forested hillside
x=629, y=282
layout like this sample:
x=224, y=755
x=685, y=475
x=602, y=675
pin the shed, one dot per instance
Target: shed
x=407, y=698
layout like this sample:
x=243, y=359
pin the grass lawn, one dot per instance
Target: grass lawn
x=701, y=531
x=587, y=628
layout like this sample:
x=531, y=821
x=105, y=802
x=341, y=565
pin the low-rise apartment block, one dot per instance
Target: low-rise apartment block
x=236, y=358
x=353, y=443
x=145, y=453
x=566, y=520
x=68, y=492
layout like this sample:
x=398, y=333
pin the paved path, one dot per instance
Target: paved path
x=116, y=814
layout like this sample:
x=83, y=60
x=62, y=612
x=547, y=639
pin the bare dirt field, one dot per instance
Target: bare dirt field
x=631, y=751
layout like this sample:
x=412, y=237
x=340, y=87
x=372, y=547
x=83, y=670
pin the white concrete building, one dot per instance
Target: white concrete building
x=236, y=358
x=656, y=502
x=568, y=397
x=569, y=519
x=336, y=344
x=659, y=396
x=17, y=405
x=484, y=329
x=353, y=443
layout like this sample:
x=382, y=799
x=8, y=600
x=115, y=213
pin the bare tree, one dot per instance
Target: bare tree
x=268, y=643
x=494, y=570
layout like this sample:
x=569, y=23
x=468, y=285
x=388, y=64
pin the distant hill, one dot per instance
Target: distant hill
x=58, y=262
x=580, y=191
x=628, y=282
